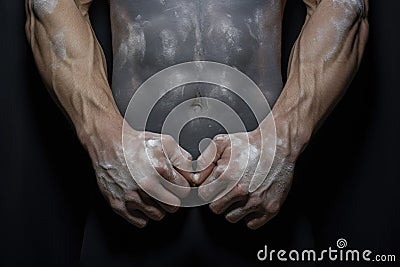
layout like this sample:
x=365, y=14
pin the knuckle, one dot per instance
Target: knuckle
x=162, y=170
x=214, y=208
x=158, y=216
x=231, y=219
x=219, y=170
x=172, y=209
x=273, y=207
x=167, y=139
x=116, y=205
x=220, y=137
x=241, y=189
x=253, y=204
x=141, y=224
x=154, y=212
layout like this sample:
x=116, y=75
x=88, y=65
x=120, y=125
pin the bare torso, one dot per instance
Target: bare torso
x=150, y=35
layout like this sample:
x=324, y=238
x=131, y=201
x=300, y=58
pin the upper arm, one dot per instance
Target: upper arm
x=336, y=30
x=60, y=34
x=359, y=7
x=47, y=7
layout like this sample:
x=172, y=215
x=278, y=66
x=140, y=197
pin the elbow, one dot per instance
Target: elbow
x=42, y=8
x=356, y=9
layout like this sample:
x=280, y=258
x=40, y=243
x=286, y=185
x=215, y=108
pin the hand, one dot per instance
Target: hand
x=247, y=158
x=116, y=182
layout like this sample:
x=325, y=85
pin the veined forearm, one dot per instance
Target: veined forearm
x=324, y=60
x=70, y=61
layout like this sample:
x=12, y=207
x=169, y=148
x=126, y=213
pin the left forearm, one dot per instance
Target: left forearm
x=324, y=60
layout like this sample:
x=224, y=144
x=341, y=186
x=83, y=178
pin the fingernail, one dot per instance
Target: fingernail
x=196, y=177
x=219, y=137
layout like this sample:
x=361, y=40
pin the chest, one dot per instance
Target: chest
x=221, y=30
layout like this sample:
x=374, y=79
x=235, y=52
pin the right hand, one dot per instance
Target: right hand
x=116, y=182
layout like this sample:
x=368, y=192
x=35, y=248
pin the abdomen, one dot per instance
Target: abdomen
x=149, y=36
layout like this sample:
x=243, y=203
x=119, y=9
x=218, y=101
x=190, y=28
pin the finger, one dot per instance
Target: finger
x=180, y=185
x=220, y=163
x=168, y=208
x=276, y=194
x=252, y=205
x=214, y=183
x=256, y=220
x=146, y=205
x=239, y=213
x=221, y=180
x=135, y=218
x=221, y=205
x=213, y=152
x=258, y=179
x=154, y=188
x=179, y=157
x=199, y=177
x=190, y=177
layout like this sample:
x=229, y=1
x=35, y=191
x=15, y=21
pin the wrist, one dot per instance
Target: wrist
x=100, y=129
x=292, y=136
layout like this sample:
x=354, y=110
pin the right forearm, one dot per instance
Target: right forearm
x=72, y=64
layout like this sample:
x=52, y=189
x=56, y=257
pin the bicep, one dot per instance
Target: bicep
x=61, y=38
x=333, y=28
x=361, y=5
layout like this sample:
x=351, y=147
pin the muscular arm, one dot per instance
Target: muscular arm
x=71, y=62
x=73, y=68
x=324, y=60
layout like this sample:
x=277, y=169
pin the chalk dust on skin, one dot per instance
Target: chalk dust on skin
x=151, y=146
x=253, y=35
x=198, y=48
x=169, y=45
x=113, y=174
x=219, y=92
x=57, y=44
x=184, y=18
x=229, y=35
x=348, y=10
x=134, y=45
x=44, y=7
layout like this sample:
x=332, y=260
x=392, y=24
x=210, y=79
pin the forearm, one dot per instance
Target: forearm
x=71, y=63
x=324, y=60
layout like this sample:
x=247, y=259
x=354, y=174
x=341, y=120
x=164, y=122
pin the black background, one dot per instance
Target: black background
x=346, y=182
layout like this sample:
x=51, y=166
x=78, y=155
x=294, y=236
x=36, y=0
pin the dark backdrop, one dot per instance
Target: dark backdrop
x=346, y=182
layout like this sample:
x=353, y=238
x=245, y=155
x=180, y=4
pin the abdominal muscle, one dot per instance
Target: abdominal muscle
x=150, y=35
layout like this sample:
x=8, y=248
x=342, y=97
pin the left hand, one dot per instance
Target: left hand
x=246, y=157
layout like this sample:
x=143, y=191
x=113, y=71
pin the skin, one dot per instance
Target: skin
x=77, y=78
x=321, y=68
x=323, y=62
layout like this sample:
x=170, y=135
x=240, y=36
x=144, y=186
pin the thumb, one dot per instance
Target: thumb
x=213, y=152
x=179, y=157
